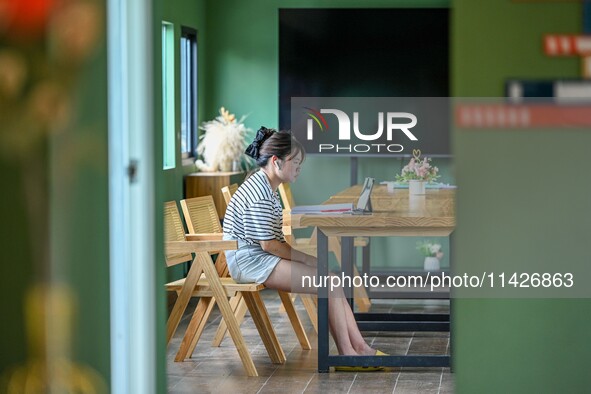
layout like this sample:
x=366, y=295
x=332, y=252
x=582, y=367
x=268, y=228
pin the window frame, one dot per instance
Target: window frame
x=189, y=91
x=168, y=97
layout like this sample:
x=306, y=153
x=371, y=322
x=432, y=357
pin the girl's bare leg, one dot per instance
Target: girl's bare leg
x=287, y=276
x=357, y=340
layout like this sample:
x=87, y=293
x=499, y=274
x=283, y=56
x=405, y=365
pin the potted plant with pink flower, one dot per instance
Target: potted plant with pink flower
x=417, y=173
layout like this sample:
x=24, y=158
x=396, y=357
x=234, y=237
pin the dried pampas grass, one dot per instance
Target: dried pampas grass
x=223, y=143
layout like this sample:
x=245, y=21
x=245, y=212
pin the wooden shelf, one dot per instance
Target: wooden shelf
x=199, y=184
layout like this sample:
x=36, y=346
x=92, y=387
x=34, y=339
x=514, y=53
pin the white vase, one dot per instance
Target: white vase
x=431, y=264
x=416, y=187
x=417, y=204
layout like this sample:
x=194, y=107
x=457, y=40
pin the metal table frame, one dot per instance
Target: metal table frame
x=372, y=321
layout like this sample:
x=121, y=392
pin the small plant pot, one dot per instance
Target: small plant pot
x=431, y=264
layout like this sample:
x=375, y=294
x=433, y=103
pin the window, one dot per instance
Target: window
x=188, y=92
x=168, y=120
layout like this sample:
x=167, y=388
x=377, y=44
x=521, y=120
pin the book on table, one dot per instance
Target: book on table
x=363, y=204
x=326, y=209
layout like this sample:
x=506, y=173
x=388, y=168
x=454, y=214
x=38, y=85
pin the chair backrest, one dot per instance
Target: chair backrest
x=202, y=218
x=174, y=231
x=228, y=192
x=286, y=196
x=201, y=215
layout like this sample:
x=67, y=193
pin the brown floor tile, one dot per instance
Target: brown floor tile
x=374, y=382
x=191, y=385
x=287, y=383
x=433, y=345
x=333, y=382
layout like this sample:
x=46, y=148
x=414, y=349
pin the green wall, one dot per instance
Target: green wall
x=16, y=268
x=169, y=183
x=513, y=208
x=189, y=13
x=242, y=65
x=79, y=213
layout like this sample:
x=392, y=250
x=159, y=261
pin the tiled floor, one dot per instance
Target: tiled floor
x=219, y=370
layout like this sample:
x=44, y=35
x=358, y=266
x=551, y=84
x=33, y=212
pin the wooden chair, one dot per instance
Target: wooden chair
x=309, y=301
x=195, y=211
x=203, y=281
x=202, y=221
x=228, y=192
x=308, y=245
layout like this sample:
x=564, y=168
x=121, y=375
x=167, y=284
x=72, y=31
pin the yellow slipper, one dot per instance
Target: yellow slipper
x=363, y=369
x=358, y=369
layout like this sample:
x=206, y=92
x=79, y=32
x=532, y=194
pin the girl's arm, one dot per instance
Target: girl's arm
x=285, y=251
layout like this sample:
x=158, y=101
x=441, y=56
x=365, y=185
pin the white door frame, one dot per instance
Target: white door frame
x=131, y=197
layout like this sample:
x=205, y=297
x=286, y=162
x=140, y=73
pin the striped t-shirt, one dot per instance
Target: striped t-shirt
x=254, y=213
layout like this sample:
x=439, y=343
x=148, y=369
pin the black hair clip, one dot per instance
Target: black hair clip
x=262, y=134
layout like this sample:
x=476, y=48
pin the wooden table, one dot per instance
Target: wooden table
x=394, y=214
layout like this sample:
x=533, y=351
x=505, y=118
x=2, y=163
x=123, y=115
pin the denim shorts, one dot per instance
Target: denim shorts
x=250, y=263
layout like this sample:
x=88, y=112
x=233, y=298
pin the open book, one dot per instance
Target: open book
x=323, y=209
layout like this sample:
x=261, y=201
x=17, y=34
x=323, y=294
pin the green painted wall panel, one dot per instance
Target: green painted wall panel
x=192, y=14
x=169, y=183
x=189, y=13
x=16, y=268
x=61, y=232
x=79, y=224
x=522, y=346
x=496, y=40
x=514, y=208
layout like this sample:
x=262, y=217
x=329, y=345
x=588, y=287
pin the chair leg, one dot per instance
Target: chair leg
x=221, y=266
x=195, y=328
x=361, y=298
x=290, y=239
x=239, y=307
x=282, y=307
x=311, y=309
x=296, y=323
x=227, y=313
x=259, y=315
x=183, y=300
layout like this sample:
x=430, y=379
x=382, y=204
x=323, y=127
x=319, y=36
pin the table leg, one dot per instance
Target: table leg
x=365, y=259
x=347, y=267
x=322, y=269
